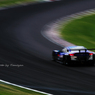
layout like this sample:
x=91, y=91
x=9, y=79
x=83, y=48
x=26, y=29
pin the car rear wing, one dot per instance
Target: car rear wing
x=81, y=50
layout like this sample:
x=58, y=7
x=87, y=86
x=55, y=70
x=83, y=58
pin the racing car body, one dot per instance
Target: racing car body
x=74, y=54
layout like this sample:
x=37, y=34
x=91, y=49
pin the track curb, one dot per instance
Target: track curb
x=51, y=32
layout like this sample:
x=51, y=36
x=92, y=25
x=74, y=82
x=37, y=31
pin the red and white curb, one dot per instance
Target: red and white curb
x=51, y=32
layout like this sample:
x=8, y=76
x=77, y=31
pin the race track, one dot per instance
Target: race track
x=22, y=43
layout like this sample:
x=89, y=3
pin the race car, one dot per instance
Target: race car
x=74, y=54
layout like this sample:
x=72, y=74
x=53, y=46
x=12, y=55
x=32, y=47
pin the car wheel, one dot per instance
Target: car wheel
x=54, y=58
x=65, y=61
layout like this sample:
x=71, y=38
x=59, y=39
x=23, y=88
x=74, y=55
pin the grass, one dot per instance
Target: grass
x=4, y=3
x=80, y=31
x=6, y=89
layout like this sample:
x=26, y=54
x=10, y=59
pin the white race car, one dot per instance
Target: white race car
x=74, y=54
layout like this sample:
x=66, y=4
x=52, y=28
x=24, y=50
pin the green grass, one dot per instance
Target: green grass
x=6, y=89
x=13, y=2
x=80, y=31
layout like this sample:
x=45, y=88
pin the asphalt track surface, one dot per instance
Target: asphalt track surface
x=21, y=42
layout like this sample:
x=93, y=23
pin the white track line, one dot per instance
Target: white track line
x=24, y=87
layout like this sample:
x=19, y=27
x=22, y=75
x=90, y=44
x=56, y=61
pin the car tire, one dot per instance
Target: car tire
x=65, y=62
x=53, y=59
